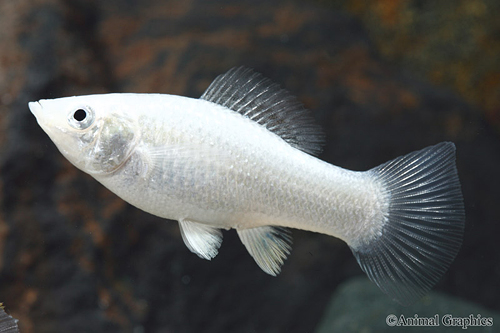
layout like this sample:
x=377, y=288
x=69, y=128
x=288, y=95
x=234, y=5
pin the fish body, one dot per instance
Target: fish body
x=199, y=161
x=241, y=157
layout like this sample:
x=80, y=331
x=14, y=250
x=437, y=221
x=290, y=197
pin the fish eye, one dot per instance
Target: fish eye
x=81, y=118
x=80, y=115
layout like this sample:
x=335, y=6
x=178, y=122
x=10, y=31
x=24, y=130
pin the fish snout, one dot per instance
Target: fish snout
x=35, y=108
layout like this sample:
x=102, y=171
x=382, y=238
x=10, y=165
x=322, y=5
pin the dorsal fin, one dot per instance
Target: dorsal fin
x=7, y=323
x=263, y=101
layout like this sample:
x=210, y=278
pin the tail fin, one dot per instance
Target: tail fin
x=424, y=227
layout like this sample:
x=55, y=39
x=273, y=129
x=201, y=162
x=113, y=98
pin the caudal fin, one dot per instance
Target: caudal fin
x=424, y=225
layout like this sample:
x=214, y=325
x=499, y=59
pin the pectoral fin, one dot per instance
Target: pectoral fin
x=202, y=239
x=181, y=158
x=269, y=246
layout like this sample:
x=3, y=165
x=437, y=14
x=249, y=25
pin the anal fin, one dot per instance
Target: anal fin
x=202, y=239
x=268, y=246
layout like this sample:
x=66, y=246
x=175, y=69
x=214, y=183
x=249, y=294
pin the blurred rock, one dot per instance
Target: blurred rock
x=74, y=257
x=451, y=43
x=359, y=306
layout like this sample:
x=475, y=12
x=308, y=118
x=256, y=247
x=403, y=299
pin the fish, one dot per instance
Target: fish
x=7, y=323
x=243, y=156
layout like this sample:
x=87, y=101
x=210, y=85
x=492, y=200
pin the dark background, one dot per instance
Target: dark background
x=382, y=77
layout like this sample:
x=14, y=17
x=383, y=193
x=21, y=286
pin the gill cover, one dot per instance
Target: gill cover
x=113, y=139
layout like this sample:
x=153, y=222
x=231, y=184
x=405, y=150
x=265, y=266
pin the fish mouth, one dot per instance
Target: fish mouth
x=35, y=108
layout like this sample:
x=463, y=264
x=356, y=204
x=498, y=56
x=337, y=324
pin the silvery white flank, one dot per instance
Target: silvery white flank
x=241, y=157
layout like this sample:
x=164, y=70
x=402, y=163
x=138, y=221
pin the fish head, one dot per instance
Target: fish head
x=93, y=132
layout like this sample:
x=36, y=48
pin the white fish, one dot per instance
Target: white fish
x=238, y=158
